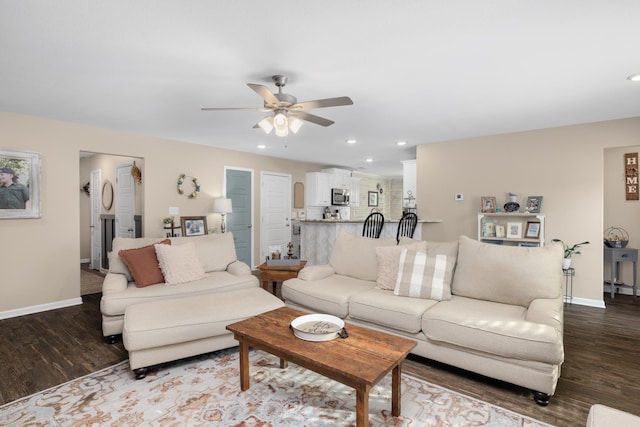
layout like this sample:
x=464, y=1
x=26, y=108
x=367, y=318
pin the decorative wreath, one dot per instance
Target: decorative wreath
x=196, y=185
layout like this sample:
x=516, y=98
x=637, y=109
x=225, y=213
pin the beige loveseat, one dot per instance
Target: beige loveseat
x=216, y=253
x=491, y=309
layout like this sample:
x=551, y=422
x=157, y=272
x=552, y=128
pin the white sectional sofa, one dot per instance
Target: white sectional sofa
x=491, y=309
x=222, y=272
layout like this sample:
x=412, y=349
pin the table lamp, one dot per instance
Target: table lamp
x=223, y=207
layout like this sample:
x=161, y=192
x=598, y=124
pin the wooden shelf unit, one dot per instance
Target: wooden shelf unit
x=502, y=218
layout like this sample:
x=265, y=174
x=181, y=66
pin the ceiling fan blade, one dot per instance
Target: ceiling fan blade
x=268, y=96
x=234, y=109
x=312, y=118
x=322, y=103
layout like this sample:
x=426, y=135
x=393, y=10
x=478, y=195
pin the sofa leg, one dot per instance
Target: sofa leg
x=111, y=339
x=140, y=373
x=541, y=398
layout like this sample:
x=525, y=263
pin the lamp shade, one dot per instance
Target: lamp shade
x=222, y=205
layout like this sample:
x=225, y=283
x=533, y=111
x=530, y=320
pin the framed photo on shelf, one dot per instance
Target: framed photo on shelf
x=20, y=175
x=533, y=230
x=514, y=230
x=488, y=204
x=489, y=228
x=193, y=225
x=500, y=232
x=534, y=204
x=373, y=198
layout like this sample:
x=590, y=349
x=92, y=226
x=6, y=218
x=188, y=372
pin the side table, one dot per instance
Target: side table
x=615, y=256
x=277, y=274
x=568, y=274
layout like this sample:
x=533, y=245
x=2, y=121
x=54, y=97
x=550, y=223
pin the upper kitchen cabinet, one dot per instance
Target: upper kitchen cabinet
x=354, y=199
x=318, y=191
x=339, y=178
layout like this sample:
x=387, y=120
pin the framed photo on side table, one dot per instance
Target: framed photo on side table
x=534, y=204
x=514, y=230
x=533, y=230
x=193, y=225
x=488, y=204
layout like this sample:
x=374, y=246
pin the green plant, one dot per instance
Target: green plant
x=570, y=250
x=168, y=220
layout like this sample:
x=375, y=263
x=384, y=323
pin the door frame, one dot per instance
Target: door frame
x=253, y=204
x=95, y=232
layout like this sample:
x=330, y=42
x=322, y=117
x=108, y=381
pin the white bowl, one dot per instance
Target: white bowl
x=317, y=327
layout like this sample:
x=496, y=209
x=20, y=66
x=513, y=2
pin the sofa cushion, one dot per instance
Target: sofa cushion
x=388, y=258
x=494, y=328
x=329, y=295
x=215, y=251
x=179, y=264
x=381, y=307
x=116, y=264
x=143, y=264
x=424, y=276
x=355, y=256
x=507, y=274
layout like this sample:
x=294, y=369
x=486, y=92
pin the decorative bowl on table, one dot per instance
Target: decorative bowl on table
x=317, y=327
x=616, y=237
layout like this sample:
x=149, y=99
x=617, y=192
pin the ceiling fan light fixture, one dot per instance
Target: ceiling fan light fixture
x=295, y=124
x=281, y=124
x=266, y=124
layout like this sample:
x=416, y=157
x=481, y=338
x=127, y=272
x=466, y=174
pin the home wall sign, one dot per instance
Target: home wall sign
x=631, y=175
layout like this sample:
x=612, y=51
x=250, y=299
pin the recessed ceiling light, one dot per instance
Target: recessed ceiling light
x=401, y=143
x=369, y=160
x=634, y=78
x=262, y=146
x=351, y=141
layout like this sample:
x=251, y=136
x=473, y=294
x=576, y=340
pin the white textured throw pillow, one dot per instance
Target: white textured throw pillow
x=424, y=276
x=179, y=264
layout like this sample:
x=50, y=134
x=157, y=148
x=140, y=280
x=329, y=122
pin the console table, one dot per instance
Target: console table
x=615, y=256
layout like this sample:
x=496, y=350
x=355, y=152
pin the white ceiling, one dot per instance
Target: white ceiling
x=420, y=71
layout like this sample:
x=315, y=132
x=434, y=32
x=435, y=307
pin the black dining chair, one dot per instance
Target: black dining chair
x=373, y=225
x=407, y=226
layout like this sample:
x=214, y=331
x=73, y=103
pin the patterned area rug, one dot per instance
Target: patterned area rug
x=90, y=282
x=205, y=391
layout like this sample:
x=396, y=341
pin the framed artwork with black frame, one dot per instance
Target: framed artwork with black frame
x=19, y=184
x=193, y=225
x=373, y=198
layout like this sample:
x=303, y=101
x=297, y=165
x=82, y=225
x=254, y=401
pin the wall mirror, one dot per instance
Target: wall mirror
x=107, y=194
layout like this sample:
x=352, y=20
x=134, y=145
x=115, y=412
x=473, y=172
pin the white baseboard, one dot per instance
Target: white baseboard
x=39, y=308
x=85, y=260
x=584, y=301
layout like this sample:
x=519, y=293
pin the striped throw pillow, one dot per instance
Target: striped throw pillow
x=424, y=276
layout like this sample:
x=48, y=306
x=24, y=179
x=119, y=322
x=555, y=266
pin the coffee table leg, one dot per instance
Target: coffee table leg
x=362, y=406
x=396, y=390
x=244, y=366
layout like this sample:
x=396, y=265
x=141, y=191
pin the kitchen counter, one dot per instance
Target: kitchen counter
x=318, y=236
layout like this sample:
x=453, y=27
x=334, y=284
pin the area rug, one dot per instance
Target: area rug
x=205, y=391
x=90, y=282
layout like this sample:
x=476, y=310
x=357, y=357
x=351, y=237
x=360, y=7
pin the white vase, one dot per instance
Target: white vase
x=566, y=263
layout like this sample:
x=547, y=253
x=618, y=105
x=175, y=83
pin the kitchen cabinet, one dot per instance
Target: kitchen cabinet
x=318, y=191
x=354, y=198
x=339, y=178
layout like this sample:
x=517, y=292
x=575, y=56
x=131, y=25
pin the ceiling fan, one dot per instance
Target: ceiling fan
x=288, y=113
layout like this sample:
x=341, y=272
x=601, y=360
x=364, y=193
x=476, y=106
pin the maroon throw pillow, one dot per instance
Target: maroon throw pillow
x=143, y=264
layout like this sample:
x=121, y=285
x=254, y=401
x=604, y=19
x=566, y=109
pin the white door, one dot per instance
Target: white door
x=125, y=201
x=275, y=212
x=96, y=234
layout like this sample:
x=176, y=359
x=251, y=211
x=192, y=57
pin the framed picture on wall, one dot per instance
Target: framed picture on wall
x=373, y=198
x=193, y=225
x=19, y=184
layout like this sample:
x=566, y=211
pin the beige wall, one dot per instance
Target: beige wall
x=41, y=268
x=564, y=165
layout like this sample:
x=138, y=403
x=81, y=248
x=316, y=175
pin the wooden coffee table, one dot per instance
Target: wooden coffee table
x=359, y=361
x=277, y=274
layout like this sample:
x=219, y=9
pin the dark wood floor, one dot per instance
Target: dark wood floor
x=602, y=361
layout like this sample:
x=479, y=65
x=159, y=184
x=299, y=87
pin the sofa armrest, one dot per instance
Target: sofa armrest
x=316, y=272
x=547, y=312
x=239, y=268
x=114, y=282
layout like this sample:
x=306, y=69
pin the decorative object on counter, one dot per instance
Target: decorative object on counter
x=631, y=176
x=373, y=198
x=222, y=206
x=616, y=237
x=136, y=173
x=488, y=204
x=86, y=189
x=194, y=225
x=512, y=205
x=196, y=186
x=373, y=225
x=569, y=251
x=534, y=204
